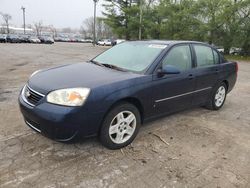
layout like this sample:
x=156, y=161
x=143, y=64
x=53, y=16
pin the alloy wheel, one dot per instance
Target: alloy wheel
x=220, y=96
x=122, y=127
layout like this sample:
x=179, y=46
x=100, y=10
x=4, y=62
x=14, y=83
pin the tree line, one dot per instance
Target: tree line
x=220, y=22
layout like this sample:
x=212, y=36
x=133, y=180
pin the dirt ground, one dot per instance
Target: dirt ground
x=205, y=148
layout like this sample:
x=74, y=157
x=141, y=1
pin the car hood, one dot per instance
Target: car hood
x=76, y=75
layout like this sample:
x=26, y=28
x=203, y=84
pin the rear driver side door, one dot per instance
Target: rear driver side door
x=206, y=72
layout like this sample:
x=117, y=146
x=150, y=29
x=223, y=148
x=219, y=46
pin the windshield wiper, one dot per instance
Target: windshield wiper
x=107, y=65
x=113, y=67
x=96, y=63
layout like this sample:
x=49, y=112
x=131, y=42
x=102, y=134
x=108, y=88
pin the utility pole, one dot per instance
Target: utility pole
x=23, y=9
x=140, y=24
x=94, y=32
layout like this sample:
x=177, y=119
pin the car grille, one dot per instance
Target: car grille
x=30, y=96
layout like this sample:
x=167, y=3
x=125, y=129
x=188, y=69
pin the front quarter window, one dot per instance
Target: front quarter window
x=216, y=57
x=131, y=56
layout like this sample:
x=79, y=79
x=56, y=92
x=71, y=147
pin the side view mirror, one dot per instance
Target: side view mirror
x=168, y=69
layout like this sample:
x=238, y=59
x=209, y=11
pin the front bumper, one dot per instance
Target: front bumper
x=59, y=122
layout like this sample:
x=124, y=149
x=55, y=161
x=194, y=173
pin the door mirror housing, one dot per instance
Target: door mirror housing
x=168, y=69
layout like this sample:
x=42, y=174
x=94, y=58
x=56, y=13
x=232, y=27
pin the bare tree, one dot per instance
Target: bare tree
x=2, y=30
x=29, y=26
x=6, y=18
x=102, y=29
x=38, y=27
x=53, y=30
x=67, y=30
x=83, y=32
x=88, y=27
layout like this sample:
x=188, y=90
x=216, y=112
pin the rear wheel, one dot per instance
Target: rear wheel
x=218, y=97
x=120, y=126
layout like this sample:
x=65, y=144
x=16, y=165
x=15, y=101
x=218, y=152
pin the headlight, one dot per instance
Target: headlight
x=69, y=97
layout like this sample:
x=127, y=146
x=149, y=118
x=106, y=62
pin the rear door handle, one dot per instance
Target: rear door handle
x=216, y=70
x=190, y=76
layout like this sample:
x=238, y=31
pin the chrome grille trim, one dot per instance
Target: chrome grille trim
x=35, y=93
x=24, y=98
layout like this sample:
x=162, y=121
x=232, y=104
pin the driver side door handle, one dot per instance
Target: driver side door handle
x=190, y=76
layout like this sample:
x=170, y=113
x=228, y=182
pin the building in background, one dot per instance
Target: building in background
x=16, y=30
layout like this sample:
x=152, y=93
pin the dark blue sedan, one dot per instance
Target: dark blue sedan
x=127, y=85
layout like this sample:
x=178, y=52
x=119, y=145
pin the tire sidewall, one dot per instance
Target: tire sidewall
x=104, y=132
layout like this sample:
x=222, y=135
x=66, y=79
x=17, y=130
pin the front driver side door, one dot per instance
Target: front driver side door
x=174, y=92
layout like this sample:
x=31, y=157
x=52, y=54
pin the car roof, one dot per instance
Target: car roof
x=168, y=42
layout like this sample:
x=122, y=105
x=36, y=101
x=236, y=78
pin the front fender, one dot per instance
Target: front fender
x=140, y=92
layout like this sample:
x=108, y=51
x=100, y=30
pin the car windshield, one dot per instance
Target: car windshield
x=131, y=56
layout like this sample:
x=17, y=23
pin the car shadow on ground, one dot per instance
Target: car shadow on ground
x=147, y=127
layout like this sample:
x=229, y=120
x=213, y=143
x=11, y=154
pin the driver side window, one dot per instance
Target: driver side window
x=180, y=57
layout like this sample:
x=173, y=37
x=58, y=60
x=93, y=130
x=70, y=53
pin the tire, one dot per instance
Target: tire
x=125, y=121
x=218, y=97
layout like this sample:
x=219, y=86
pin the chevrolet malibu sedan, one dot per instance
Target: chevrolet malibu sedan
x=113, y=94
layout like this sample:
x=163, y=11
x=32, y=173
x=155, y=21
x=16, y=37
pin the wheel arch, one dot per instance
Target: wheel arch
x=227, y=84
x=132, y=100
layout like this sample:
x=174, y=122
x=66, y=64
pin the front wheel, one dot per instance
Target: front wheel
x=218, y=97
x=120, y=126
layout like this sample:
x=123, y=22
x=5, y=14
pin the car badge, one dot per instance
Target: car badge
x=27, y=94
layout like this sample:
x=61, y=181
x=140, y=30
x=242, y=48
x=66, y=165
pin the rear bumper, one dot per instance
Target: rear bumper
x=59, y=122
x=231, y=81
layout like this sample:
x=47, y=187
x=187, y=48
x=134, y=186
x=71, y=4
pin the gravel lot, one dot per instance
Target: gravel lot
x=206, y=148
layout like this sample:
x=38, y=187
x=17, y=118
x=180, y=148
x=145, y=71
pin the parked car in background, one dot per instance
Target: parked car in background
x=11, y=38
x=118, y=41
x=235, y=51
x=72, y=39
x=100, y=42
x=82, y=40
x=244, y=53
x=34, y=39
x=61, y=39
x=3, y=38
x=105, y=42
x=56, y=39
x=78, y=39
x=88, y=41
x=123, y=87
x=24, y=38
x=46, y=39
x=220, y=49
x=65, y=39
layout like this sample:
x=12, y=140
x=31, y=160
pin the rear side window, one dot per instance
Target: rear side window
x=180, y=57
x=204, y=55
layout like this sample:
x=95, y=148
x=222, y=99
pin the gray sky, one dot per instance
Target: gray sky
x=60, y=13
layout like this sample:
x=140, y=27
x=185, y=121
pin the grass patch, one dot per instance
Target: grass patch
x=237, y=58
